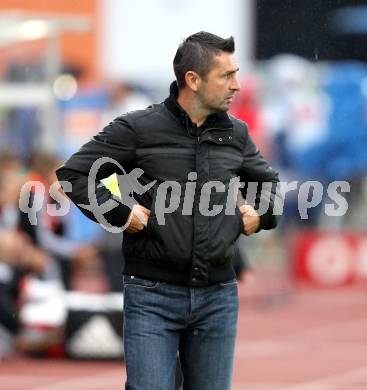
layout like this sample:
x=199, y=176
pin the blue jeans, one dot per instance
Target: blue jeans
x=160, y=319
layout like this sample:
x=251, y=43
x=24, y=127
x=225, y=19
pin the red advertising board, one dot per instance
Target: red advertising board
x=330, y=258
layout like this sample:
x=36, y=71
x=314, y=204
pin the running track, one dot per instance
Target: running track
x=308, y=340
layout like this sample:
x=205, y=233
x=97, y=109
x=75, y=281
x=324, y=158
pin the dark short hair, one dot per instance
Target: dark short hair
x=196, y=53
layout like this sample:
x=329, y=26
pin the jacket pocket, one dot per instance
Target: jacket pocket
x=224, y=231
x=170, y=243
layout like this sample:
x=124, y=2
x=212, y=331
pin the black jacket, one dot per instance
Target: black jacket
x=190, y=248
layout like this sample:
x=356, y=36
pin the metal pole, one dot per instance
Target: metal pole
x=51, y=123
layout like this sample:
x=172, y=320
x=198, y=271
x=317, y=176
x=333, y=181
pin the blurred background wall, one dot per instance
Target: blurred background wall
x=76, y=49
x=147, y=53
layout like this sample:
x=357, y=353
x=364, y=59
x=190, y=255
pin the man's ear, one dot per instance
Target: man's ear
x=193, y=80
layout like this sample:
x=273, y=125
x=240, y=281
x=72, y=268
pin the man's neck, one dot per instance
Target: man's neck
x=188, y=101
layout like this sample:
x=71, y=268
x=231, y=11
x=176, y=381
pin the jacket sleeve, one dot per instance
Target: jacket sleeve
x=257, y=173
x=116, y=142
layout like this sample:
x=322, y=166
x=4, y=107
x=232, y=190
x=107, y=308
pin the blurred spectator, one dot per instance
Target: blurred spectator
x=18, y=253
x=124, y=97
x=22, y=128
x=246, y=106
x=294, y=110
x=16, y=245
x=52, y=233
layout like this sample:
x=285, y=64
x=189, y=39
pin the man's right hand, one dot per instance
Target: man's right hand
x=138, y=219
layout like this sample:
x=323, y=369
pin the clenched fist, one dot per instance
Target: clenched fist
x=250, y=218
x=138, y=219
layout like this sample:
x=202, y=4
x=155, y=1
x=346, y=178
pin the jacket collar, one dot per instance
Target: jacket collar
x=218, y=121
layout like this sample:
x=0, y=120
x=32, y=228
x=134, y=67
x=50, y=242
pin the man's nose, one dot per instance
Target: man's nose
x=236, y=86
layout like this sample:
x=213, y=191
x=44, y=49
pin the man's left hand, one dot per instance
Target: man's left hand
x=250, y=218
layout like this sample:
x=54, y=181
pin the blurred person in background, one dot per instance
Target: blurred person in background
x=294, y=112
x=19, y=255
x=180, y=288
x=18, y=246
x=21, y=129
x=124, y=97
x=246, y=106
x=52, y=233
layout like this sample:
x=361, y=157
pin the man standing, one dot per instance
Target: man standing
x=179, y=284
